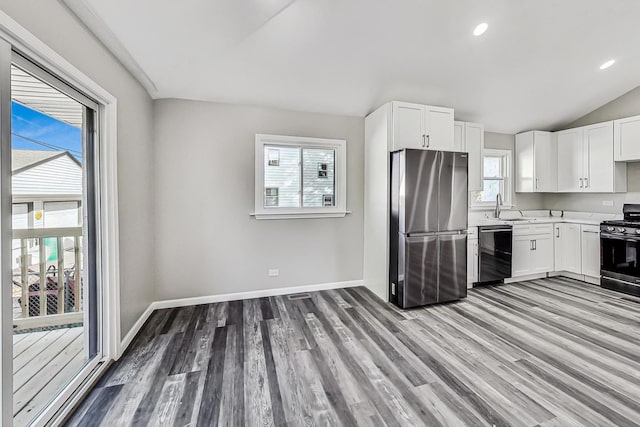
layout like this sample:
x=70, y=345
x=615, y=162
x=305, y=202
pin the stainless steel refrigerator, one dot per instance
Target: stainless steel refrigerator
x=428, y=230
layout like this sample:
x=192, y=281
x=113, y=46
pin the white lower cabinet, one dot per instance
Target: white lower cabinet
x=577, y=249
x=568, y=256
x=532, y=251
x=472, y=258
x=591, y=250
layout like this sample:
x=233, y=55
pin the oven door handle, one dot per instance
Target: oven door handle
x=616, y=237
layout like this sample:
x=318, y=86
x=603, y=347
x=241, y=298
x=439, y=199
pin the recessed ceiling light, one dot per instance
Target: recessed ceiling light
x=607, y=64
x=480, y=29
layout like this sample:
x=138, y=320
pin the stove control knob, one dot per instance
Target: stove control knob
x=637, y=230
x=610, y=228
x=621, y=230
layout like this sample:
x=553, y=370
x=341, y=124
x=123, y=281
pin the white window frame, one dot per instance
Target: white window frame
x=340, y=178
x=507, y=167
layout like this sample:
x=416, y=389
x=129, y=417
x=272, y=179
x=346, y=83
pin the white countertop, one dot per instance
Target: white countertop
x=536, y=217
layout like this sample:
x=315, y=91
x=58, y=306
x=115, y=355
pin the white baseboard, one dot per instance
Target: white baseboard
x=126, y=341
x=209, y=299
x=524, y=278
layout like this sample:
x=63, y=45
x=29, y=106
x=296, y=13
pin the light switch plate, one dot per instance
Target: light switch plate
x=608, y=203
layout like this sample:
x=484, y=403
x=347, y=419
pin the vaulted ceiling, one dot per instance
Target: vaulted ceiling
x=537, y=66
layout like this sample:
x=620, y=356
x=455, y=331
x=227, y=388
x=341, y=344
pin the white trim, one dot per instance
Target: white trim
x=126, y=341
x=340, y=178
x=209, y=299
x=78, y=388
x=274, y=215
x=524, y=278
x=88, y=16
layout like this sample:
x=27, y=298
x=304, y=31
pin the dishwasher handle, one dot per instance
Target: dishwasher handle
x=496, y=230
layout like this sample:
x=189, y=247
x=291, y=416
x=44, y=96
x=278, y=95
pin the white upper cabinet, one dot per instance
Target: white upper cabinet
x=422, y=126
x=439, y=128
x=536, y=162
x=408, y=125
x=469, y=138
x=458, y=136
x=626, y=137
x=586, y=161
x=570, y=160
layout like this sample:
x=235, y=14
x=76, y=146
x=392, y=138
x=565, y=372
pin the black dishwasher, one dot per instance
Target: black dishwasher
x=494, y=250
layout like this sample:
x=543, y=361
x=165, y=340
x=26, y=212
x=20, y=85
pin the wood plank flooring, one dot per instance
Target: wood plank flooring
x=43, y=362
x=552, y=352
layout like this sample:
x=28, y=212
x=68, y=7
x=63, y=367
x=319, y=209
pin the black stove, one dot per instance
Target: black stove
x=620, y=252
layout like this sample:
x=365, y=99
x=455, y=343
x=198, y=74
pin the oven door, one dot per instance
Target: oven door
x=620, y=258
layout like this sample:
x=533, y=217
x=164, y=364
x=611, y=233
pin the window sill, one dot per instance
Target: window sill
x=299, y=215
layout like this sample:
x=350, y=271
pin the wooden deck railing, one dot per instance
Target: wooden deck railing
x=51, y=288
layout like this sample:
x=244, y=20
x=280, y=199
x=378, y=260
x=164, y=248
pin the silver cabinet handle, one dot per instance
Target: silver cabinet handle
x=424, y=143
x=428, y=141
x=530, y=245
x=535, y=245
x=558, y=232
x=586, y=183
x=537, y=182
x=581, y=183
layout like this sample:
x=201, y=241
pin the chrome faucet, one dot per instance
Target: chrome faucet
x=498, y=204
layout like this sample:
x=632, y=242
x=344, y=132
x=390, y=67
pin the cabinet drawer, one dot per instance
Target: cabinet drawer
x=532, y=229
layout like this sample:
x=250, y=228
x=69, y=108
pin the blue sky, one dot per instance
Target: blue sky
x=29, y=123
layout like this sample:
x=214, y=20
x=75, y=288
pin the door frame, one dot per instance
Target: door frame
x=20, y=39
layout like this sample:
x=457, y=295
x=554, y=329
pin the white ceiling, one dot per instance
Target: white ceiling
x=537, y=66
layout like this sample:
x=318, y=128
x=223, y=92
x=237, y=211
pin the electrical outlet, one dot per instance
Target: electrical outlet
x=274, y=272
x=608, y=203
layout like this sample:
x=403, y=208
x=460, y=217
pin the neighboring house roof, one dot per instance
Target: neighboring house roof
x=26, y=159
x=45, y=173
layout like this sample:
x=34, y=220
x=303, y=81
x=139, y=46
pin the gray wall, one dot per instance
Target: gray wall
x=206, y=241
x=625, y=106
x=54, y=24
x=503, y=141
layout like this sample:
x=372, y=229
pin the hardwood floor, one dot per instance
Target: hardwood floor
x=552, y=352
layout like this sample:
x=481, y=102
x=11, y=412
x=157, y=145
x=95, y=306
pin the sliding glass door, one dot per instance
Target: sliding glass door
x=51, y=264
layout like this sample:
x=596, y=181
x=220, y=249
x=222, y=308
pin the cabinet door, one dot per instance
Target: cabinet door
x=408, y=125
x=570, y=161
x=627, y=139
x=474, y=145
x=458, y=137
x=472, y=261
x=545, y=174
x=439, y=128
x=591, y=251
x=599, y=165
x=522, y=260
x=542, y=261
x=524, y=163
x=567, y=248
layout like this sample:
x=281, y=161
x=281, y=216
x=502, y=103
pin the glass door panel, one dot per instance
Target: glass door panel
x=52, y=259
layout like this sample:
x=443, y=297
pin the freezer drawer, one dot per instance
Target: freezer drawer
x=452, y=273
x=430, y=269
x=419, y=271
